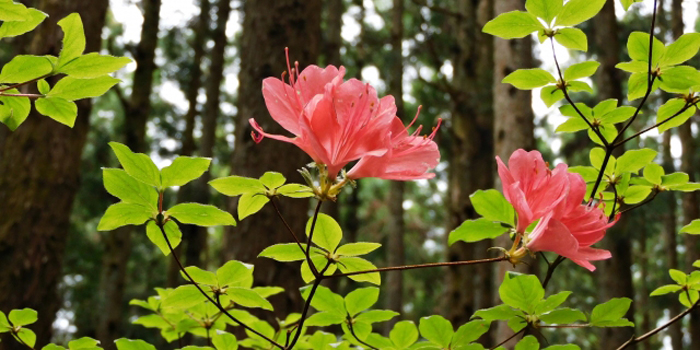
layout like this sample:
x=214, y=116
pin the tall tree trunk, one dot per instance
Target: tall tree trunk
x=334, y=26
x=513, y=117
x=471, y=156
x=39, y=177
x=396, y=225
x=118, y=242
x=269, y=26
x=201, y=29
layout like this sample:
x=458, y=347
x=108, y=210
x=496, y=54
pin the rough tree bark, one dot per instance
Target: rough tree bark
x=396, y=224
x=136, y=111
x=471, y=157
x=39, y=176
x=268, y=27
x=201, y=29
x=513, y=116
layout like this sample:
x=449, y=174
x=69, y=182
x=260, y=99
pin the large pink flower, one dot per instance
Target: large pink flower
x=570, y=232
x=409, y=157
x=555, y=197
x=336, y=122
x=531, y=187
x=333, y=121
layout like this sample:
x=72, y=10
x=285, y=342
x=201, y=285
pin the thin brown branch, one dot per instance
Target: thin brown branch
x=352, y=331
x=10, y=87
x=652, y=332
x=420, y=266
x=507, y=339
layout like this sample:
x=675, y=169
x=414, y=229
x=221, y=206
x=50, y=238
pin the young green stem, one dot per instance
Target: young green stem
x=308, y=241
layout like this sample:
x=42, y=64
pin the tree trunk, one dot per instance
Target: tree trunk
x=334, y=25
x=118, y=242
x=513, y=117
x=396, y=226
x=471, y=157
x=39, y=177
x=268, y=27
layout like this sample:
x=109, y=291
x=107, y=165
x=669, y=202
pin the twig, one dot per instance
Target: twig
x=606, y=159
x=22, y=95
x=652, y=332
x=289, y=228
x=550, y=270
x=3, y=89
x=419, y=266
x=649, y=199
x=217, y=304
x=656, y=125
x=352, y=331
x=305, y=311
x=308, y=241
x=507, y=339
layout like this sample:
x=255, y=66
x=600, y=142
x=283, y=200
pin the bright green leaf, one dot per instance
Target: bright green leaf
x=155, y=235
x=250, y=203
x=514, y=24
x=610, y=313
x=493, y=206
x=73, y=38
x=528, y=79
x=122, y=214
x=23, y=317
x=476, y=230
x=437, y=330
x=200, y=215
x=581, y=70
x=572, y=38
x=284, y=252
x=356, y=249
x=72, y=89
x=634, y=160
x=361, y=299
x=326, y=232
x=93, y=65
x=138, y=165
x=23, y=68
x=577, y=11
x=522, y=292
x=58, y=109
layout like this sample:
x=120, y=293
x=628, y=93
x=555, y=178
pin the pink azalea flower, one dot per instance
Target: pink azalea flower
x=409, y=157
x=571, y=231
x=333, y=121
x=555, y=197
x=531, y=187
x=336, y=122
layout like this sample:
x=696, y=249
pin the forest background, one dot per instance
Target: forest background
x=195, y=82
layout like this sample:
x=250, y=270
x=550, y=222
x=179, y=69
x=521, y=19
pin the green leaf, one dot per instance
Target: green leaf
x=683, y=49
x=356, y=249
x=679, y=79
x=84, y=343
x=670, y=108
x=678, y=276
x=469, y=332
x=201, y=276
x=638, y=48
x=58, y=109
x=23, y=68
x=511, y=25
x=295, y=191
x=73, y=38
x=609, y=132
x=200, y=215
x=72, y=89
x=23, y=317
x=683, y=298
x=626, y=4
x=573, y=124
x=325, y=300
x=224, y=341
x=577, y=11
x=12, y=12
x=156, y=236
x=633, y=66
x=528, y=79
x=122, y=214
x=27, y=336
x=493, y=206
x=43, y=86
x=551, y=303
x=570, y=111
x=32, y=18
x=93, y=65
x=610, y=313
x=669, y=288
x=437, y=330
x=14, y=110
x=638, y=85
x=353, y=264
x=183, y=297
x=675, y=179
x=126, y=344
x=522, y=292
x=618, y=115
x=327, y=233
x=589, y=174
x=528, y=343
x=361, y=299
x=576, y=86
x=324, y=319
x=272, y=179
x=563, y=316
x=634, y=160
x=248, y=298
x=692, y=228
x=653, y=172
x=284, y=252
x=250, y=203
x=581, y=70
x=183, y=170
x=572, y=38
x=237, y=185
x=476, y=230
x=498, y=312
x=636, y=194
x=404, y=334
x=551, y=94
x=4, y=323
x=545, y=9
x=138, y=165
x=235, y=274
